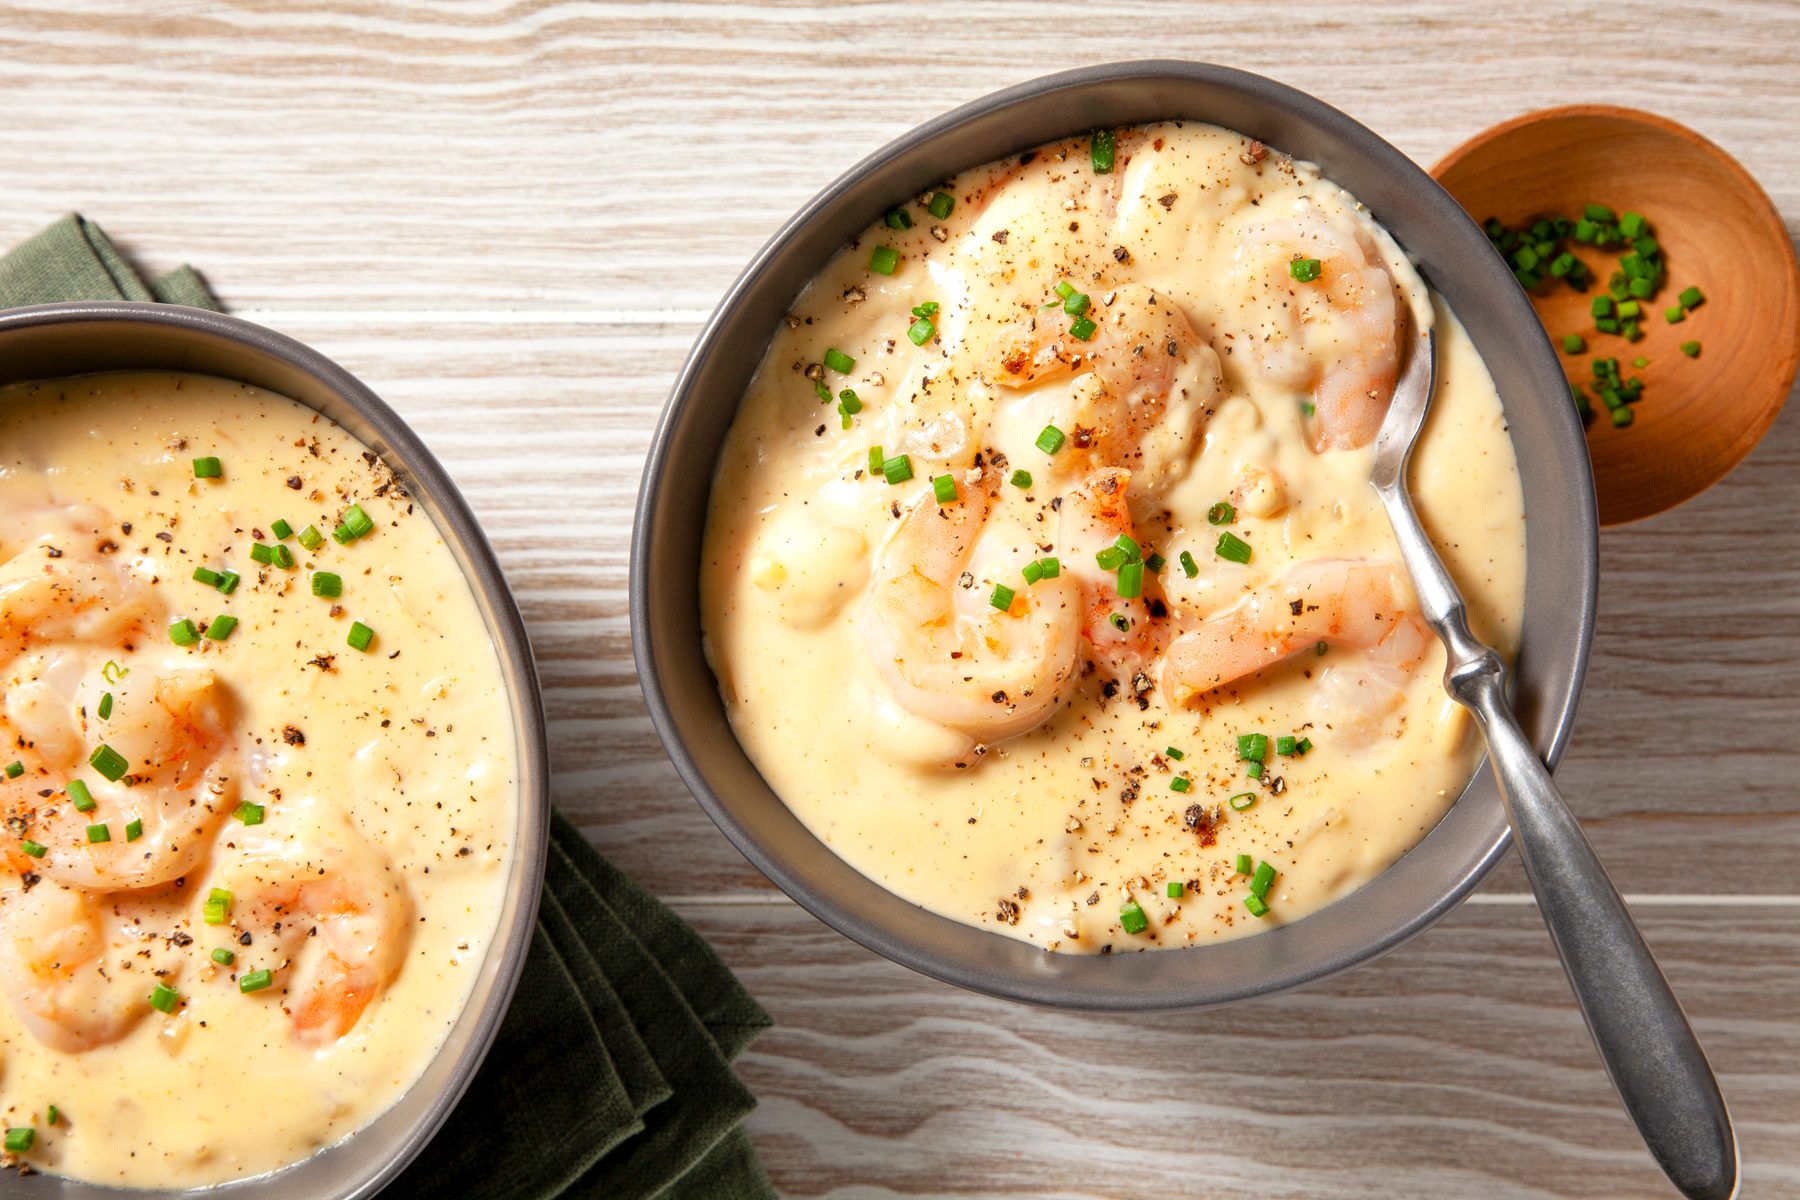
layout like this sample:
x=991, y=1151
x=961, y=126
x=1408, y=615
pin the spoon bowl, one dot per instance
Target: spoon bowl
x=1699, y=416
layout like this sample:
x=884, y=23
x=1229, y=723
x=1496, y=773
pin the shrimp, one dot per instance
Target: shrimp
x=176, y=734
x=1337, y=335
x=66, y=587
x=1341, y=602
x=79, y=966
x=943, y=649
x=1094, y=516
x=327, y=913
x=1142, y=384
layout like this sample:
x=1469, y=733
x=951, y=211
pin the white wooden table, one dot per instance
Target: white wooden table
x=510, y=218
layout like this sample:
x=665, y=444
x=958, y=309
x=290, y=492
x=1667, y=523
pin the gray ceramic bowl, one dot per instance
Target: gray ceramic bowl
x=1455, y=258
x=74, y=339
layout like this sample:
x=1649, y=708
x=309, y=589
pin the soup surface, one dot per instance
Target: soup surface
x=1042, y=577
x=259, y=782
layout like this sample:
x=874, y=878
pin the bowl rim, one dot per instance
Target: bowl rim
x=449, y=512
x=646, y=617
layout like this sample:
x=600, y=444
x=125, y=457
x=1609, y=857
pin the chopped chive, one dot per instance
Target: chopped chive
x=1285, y=744
x=358, y=522
x=209, y=578
x=1252, y=747
x=897, y=218
x=1602, y=306
x=875, y=460
x=1002, y=598
x=249, y=814
x=1132, y=918
x=1032, y=571
x=326, y=584
x=1265, y=875
x=1304, y=744
x=1064, y=289
x=1630, y=308
x=1320, y=648
x=1232, y=548
x=944, y=488
x=228, y=582
x=1102, y=148
x=1082, y=328
x=262, y=554
x=1221, y=513
x=1131, y=580
x=1599, y=214
x=1175, y=889
x=1305, y=270
x=284, y=558
x=360, y=636
x=255, y=981
x=214, y=914
x=19, y=1139
x=134, y=829
x=164, y=999
x=220, y=627
x=35, y=849
x=1175, y=754
x=1189, y=567
x=79, y=795
x=1156, y=563
x=1573, y=343
x=1051, y=439
x=884, y=260
x=311, y=538
x=1128, y=546
x=1691, y=349
x=98, y=833
x=1241, y=801
x=940, y=204
x=897, y=469
x=1640, y=362
x=1052, y=566
x=1021, y=479
x=1674, y=314
x=281, y=529
x=105, y=709
x=224, y=957
x=1180, y=783
x=921, y=331
x=208, y=468
x=1110, y=559
x=1607, y=325
x=1253, y=770
x=1691, y=297
x=340, y=533
x=50, y=1115
x=1244, y=866
x=837, y=360
x=1622, y=417
x=109, y=762
x=1257, y=906
x=1120, y=622
x=183, y=633
x=1077, y=304
x=14, y=769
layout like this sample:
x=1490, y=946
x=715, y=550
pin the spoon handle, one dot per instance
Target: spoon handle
x=1643, y=1037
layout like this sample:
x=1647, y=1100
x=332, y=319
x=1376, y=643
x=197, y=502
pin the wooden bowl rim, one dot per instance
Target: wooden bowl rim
x=1787, y=361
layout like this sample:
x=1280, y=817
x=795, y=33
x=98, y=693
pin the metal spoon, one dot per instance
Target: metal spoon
x=1644, y=1039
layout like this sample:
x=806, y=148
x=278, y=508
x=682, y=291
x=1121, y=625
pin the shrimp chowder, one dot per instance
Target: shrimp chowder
x=259, y=781
x=1042, y=577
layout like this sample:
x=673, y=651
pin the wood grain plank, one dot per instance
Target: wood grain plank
x=1456, y=1067
x=558, y=155
x=1680, y=764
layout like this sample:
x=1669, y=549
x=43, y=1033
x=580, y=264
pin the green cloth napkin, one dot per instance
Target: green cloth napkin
x=611, y=1074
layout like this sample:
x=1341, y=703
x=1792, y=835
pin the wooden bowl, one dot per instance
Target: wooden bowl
x=1698, y=417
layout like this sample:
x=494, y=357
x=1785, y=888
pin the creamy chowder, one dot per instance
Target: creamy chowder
x=259, y=781
x=1042, y=576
